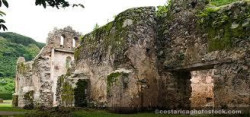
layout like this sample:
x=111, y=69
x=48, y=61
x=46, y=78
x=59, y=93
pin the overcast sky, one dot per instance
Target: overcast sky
x=25, y=18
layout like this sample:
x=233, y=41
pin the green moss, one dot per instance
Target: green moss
x=60, y=82
x=112, y=37
x=67, y=94
x=15, y=101
x=106, y=38
x=222, y=27
x=22, y=68
x=77, y=53
x=80, y=93
x=114, y=77
x=221, y=2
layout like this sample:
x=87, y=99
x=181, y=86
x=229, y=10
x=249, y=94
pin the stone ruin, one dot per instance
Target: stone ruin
x=36, y=80
x=189, y=56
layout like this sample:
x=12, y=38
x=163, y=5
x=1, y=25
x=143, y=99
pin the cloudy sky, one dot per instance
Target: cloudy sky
x=25, y=18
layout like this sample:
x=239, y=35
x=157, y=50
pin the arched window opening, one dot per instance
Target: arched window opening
x=68, y=62
x=75, y=40
x=62, y=41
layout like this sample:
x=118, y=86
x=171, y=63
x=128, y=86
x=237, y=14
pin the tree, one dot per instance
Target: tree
x=52, y=3
x=2, y=25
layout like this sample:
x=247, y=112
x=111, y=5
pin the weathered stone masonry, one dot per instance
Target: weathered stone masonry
x=146, y=60
x=40, y=75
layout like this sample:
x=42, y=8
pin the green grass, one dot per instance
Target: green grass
x=13, y=109
x=93, y=113
x=103, y=113
x=7, y=106
x=6, y=103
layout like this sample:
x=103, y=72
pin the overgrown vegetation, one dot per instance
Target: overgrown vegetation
x=163, y=10
x=96, y=27
x=22, y=68
x=111, y=79
x=109, y=39
x=221, y=2
x=67, y=94
x=114, y=77
x=113, y=36
x=80, y=93
x=60, y=82
x=225, y=27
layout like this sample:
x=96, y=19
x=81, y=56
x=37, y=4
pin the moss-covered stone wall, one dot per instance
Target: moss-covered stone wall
x=194, y=34
x=126, y=44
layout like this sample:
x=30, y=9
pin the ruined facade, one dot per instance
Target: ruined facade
x=147, y=58
x=36, y=80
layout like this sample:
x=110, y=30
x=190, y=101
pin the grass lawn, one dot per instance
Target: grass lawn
x=18, y=112
x=6, y=103
x=102, y=113
x=7, y=106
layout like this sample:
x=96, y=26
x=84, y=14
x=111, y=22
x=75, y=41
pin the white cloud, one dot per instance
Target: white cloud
x=34, y=21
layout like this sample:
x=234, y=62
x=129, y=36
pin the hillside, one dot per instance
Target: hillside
x=12, y=46
x=20, y=39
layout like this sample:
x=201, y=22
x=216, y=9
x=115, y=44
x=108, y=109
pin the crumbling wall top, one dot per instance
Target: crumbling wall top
x=65, y=38
x=20, y=60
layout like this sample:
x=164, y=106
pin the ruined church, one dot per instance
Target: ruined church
x=189, y=55
x=37, y=80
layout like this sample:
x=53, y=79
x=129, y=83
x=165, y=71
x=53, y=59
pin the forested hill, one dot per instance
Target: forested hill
x=12, y=46
x=20, y=39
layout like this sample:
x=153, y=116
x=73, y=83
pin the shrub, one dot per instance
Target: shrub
x=6, y=96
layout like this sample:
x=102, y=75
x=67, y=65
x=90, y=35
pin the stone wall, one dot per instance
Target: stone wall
x=145, y=60
x=202, y=88
x=120, y=60
x=36, y=80
x=205, y=38
x=60, y=67
x=25, y=81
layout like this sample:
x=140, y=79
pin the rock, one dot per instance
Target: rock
x=127, y=22
x=234, y=25
x=177, y=9
x=246, y=22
